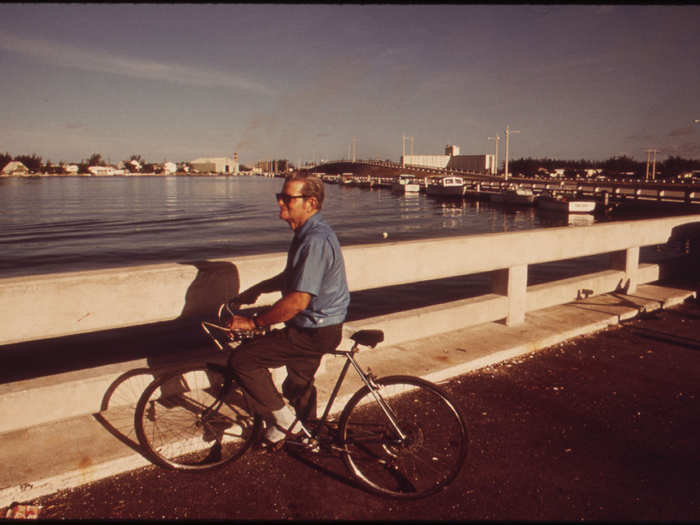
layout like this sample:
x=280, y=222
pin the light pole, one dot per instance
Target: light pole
x=495, y=161
x=508, y=132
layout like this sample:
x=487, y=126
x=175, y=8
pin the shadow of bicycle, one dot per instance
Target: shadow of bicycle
x=214, y=283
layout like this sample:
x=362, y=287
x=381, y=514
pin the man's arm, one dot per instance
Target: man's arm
x=283, y=310
x=250, y=296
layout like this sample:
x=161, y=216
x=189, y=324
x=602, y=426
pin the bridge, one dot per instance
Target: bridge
x=86, y=413
x=609, y=191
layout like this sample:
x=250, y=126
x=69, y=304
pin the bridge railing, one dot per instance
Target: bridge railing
x=50, y=306
x=55, y=305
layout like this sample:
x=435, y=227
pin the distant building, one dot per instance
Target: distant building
x=169, y=168
x=15, y=167
x=453, y=160
x=273, y=166
x=71, y=169
x=223, y=165
x=426, y=161
x=477, y=163
x=102, y=171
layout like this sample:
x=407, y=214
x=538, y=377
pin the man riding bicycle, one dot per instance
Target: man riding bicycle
x=314, y=303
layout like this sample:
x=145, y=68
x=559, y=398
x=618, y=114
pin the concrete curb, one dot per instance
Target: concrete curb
x=436, y=359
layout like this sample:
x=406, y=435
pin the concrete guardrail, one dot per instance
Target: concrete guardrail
x=50, y=306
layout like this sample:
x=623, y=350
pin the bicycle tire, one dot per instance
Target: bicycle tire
x=430, y=457
x=177, y=428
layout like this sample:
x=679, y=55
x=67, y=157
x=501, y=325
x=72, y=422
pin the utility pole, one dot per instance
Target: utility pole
x=403, y=150
x=354, y=148
x=653, y=165
x=495, y=161
x=508, y=132
x=411, y=145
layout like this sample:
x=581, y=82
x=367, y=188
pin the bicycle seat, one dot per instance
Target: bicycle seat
x=368, y=337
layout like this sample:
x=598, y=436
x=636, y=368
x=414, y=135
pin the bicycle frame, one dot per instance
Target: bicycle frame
x=367, y=379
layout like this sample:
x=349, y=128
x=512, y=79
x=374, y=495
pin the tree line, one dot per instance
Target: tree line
x=612, y=167
x=36, y=164
x=528, y=167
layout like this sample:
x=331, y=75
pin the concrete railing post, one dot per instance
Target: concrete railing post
x=512, y=282
x=628, y=261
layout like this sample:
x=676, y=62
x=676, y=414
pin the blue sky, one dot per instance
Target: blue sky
x=175, y=82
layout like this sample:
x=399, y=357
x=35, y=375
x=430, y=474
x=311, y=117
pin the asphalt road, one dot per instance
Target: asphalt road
x=604, y=427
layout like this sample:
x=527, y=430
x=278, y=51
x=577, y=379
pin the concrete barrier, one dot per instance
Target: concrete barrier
x=46, y=306
x=64, y=304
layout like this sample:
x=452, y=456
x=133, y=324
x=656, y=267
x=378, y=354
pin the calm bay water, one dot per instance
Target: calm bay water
x=60, y=224
x=50, y=225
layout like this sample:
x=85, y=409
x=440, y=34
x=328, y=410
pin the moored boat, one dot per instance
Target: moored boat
x=446, y=187
x=559, y=203
x=406, y=183
x=515, y=195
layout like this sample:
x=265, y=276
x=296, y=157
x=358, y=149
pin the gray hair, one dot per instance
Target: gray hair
x=313, y=186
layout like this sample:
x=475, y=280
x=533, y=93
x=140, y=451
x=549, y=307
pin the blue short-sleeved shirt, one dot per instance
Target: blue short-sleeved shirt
x=315, y=265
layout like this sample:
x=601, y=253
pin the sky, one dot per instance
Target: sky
x=181, y=81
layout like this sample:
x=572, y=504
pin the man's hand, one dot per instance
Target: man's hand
x=240, y=322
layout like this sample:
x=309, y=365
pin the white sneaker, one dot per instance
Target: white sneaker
x=284, y=418
x=275, y=435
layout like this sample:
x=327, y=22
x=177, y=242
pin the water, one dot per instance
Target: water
x=65, y=224
x=58, y=224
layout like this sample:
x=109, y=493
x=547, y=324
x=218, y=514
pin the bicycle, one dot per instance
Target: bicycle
x=399, y=436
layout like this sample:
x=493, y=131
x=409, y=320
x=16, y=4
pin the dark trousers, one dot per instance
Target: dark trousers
x=300, y=350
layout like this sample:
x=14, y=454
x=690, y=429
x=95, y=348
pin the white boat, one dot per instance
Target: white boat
x=560, y=203
x=446, y=187
x=406, y=183
x=515, y=195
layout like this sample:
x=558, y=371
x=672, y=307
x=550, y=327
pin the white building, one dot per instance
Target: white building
x=15, y=167
x=426, y=161
x=224, y=165
x=169, y=168
x=453, y=160
x=100, y=171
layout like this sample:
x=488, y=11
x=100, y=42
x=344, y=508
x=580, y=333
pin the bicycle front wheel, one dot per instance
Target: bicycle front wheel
x=194, y=419
x=412, y=447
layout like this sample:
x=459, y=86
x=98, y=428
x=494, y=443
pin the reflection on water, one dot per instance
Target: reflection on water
x=71, y=223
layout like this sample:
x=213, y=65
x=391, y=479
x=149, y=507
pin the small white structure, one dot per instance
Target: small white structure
x=15, y=167
x=70, y=169
x=406, y=183
x=169, y=168
x=102, y=171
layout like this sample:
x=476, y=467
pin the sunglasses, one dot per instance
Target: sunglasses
x=286, y=198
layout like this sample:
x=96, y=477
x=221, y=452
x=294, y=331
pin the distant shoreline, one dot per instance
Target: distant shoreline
x=45, y=175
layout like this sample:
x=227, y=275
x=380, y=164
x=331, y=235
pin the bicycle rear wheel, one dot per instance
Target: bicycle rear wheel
x=194, y=419
x=426, y=460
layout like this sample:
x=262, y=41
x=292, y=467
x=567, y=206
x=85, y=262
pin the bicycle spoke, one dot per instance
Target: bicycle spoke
x=430, y=455
x=183, y=423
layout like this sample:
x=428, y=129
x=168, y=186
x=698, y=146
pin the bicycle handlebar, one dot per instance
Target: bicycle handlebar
x=225, y=316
